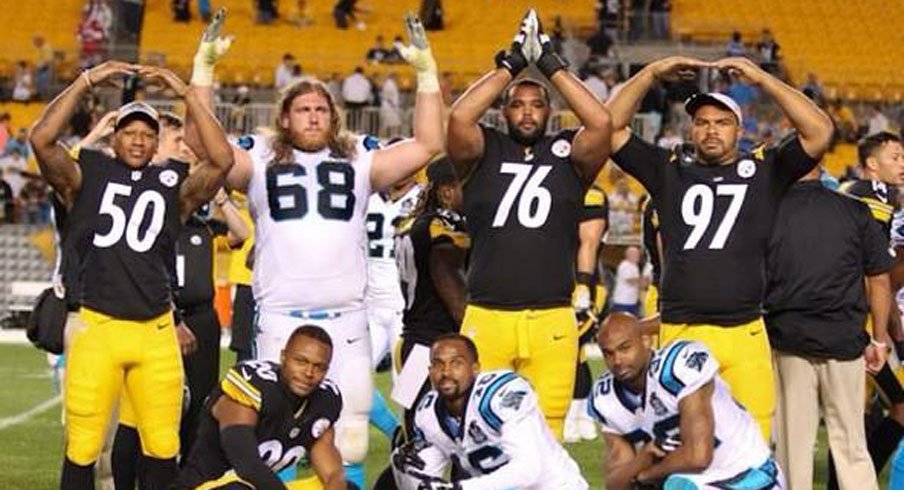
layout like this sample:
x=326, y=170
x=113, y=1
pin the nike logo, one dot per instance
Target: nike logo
x=352, y=341
x=756, y=333
x=162, y=326
x=557, y=337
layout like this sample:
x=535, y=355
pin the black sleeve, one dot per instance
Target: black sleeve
x=644, y=161
x=240, y=446
x=877, y=258
x=217, y=227
x=790, y=160
x=596, y=205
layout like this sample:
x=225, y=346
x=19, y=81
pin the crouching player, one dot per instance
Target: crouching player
x=487, y=425
x=265, y=417
x=668, y=418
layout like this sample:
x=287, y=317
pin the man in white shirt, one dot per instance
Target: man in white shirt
x=283, y=74
x=628, y=283
x=357, y=91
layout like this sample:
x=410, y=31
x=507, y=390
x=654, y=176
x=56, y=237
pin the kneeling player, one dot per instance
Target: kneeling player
x=487, y=424
x=667, y=415
x=265, y=417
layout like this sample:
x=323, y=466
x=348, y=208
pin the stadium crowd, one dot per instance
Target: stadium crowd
x=470, y=256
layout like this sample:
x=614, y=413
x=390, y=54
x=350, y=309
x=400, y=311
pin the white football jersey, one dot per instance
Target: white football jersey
x=383, y=286
x=503, y=441
x=309, y=217
x=676, y=371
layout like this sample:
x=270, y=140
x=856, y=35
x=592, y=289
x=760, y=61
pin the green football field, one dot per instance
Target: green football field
x=31, y=431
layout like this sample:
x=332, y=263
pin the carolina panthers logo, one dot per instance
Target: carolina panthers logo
x=696, y=360
x=513, y=399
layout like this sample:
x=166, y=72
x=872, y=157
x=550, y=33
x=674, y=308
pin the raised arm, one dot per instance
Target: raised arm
x=237, y=423
x=592, y=143
x=465, y=142
x=327, y=462
x=400, y=161
x=207, y=178
x=624, y=103
x=57, y=166
x=697, y=426
x=98, y=133
x=813, y=125
x=211, y=48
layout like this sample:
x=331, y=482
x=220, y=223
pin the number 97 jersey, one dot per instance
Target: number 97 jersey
x=310, y=233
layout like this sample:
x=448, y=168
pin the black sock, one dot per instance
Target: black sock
x=77, y=477
x=125, y=457
x=159, y=474
x=582, y=381
x=883, y=441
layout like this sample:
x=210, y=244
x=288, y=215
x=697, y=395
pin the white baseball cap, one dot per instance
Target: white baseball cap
x=697, y=101
x=137, y=110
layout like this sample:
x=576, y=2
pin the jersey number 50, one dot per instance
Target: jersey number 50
x=149, y=201
x=288, y=199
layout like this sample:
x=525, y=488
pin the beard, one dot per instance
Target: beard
x=312, y=143
x=527, y=139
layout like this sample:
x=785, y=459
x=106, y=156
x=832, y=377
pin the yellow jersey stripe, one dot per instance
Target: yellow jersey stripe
x=239, y=390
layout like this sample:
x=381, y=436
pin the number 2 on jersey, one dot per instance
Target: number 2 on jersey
x=534, y=202
x=697, y=211
x=288, y=198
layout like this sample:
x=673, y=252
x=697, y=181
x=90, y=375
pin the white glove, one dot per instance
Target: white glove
x=210, y=50
x=532, y=49
x=581, y=300
x=418, y=55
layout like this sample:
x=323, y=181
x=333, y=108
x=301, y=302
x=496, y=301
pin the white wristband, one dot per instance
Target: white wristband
x=881, y=345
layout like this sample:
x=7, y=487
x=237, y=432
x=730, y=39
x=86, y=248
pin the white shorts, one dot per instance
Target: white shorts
x=350, y=367
x=385, y=329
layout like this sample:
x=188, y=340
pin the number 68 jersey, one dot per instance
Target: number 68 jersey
x=503, y=440
x=310, y=232
x=287, y=425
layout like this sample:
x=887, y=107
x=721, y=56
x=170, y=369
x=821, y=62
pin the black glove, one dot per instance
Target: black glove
x=406, y=457
x=549, y=61
x=514, y=60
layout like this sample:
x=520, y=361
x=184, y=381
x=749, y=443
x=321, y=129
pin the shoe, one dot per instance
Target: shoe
x=571, y=432
x=586, y=428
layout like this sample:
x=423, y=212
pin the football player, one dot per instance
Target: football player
x=523, y=192
x=128, y=340
x=881, y=159
x=716, y=206
x=307, y=189
x=589, y=299
x=487, y=424
x=265, y=416
x=669, y=419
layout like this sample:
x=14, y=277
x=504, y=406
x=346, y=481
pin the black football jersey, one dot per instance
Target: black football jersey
x=129, y=220
x=523, y=205
x=426, y=316
x=287, y=425
x=68, y=258
x=650, y=230
x=881, y=198
x=195, y=261
x=715, y=223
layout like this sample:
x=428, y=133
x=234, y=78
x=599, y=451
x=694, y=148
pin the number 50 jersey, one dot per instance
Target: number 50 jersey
x=310, y=232
x=523, y=205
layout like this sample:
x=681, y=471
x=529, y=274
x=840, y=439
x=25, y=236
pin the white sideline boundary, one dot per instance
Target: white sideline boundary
x=31, y=412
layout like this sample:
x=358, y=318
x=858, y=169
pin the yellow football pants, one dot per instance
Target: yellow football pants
x=745, y=363
x=541, y=345
x=109, y=355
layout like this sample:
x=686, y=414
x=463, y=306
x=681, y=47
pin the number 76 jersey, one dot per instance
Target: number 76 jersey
x=310, y=233
x=523, y=205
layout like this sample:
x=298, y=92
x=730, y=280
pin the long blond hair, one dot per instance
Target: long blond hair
x=341, y=142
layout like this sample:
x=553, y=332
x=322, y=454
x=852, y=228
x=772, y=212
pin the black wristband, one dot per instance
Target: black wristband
x=514, y=63
x=586, y=279
x=177, y=316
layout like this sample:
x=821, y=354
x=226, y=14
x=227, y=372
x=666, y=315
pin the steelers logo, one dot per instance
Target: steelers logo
x=561, y=148
x=319, y=427
x=169, y=178
x=746, y=169
x=195, y=239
